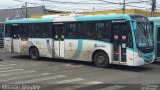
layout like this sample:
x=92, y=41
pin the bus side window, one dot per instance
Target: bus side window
x=91, y=30
x=24, y=28
x=7, y=30
x=80, y=30
x=32, y=32
x=1, y=32
x=70, y=30
x=158, y=34
x=103, y=31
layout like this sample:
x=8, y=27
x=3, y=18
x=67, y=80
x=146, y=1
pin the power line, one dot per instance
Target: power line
x=63, y=2
x=98, y=2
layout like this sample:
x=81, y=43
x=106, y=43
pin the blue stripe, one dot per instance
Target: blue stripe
x=78, y=50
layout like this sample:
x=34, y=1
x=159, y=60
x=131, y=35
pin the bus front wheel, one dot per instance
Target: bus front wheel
x=101, y=60
x=34, y=53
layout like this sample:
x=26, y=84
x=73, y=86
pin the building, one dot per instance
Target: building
x=128, y=11
x=17, y=13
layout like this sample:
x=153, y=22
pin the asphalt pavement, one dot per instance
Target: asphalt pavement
x=19, y=72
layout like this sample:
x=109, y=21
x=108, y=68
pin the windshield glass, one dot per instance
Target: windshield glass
x=144, y=37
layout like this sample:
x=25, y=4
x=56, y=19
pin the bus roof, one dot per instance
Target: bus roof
x=73, y=18
x=154, y=19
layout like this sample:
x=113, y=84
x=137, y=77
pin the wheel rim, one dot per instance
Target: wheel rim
x=34, y=53
x=101, y=59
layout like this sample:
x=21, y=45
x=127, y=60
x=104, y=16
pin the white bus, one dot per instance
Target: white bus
x=102, y=39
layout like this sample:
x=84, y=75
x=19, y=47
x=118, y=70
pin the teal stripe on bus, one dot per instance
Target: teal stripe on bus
x=29, y=21
x=78, y=50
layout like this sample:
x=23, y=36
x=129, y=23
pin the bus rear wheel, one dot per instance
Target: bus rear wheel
x=101, y=60
x=34, y=53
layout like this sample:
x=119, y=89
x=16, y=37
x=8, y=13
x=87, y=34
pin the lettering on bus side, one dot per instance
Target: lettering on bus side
x=119, y=21
x=36, y=42
x=58, y=23
x=100, y=45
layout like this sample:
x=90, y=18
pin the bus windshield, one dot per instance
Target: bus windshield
x=144, y=37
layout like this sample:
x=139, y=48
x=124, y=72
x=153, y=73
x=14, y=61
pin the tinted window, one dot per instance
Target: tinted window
x=103, y=31
x=32, y=32
x=158, y=34
x=98, y=30
x=7, y=30
x=152, y=27
x=129, y=36
x=91, y=30
x=70, y=30
x=24, y=29
x=15, y=31
x=75, y=30
x=80, y=30
x=41, y=30
x=1, y=31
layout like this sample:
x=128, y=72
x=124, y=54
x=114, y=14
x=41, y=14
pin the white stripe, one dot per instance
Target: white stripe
x=68, y=81
x=22, y=77
x=12, y=64
x=2, y=65
x=11, y=70
x=80, y=85
x=6, y=68
x=115, y=87
x=69, y=65
x=11, y=61
x=39, y=79
x=16, y=73
x=94, y=82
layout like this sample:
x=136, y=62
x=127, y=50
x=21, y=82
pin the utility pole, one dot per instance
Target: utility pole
x=26, y=10
x=124, y=6
x=153, y=4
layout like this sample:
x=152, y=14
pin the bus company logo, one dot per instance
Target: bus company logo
x=70, y=44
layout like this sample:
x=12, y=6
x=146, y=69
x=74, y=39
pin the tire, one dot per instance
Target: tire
x=34, y=53
x=101, y=60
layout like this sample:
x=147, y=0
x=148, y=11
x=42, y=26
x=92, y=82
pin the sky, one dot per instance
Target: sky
x=80, y=5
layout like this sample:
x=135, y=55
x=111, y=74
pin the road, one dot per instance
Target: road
x=51, y=74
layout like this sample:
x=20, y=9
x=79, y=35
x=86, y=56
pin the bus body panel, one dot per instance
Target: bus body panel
x=16, y=45
x=78, y=49
x=24, y=47
x=8, y=44
x=130, y=57
x=141, y=59
x=43, y=45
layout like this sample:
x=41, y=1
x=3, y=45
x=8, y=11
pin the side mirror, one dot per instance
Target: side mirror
x=134, y=25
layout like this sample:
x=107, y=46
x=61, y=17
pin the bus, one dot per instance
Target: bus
x=121, y=39
x=155, y=22
x=1, y=34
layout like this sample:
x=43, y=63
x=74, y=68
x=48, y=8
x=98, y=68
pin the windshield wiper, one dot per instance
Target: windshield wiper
x=143, y=30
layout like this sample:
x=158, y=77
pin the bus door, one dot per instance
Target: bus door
x=158, y=42
x=119, y=34
x=15, y=35
x=58, y=42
